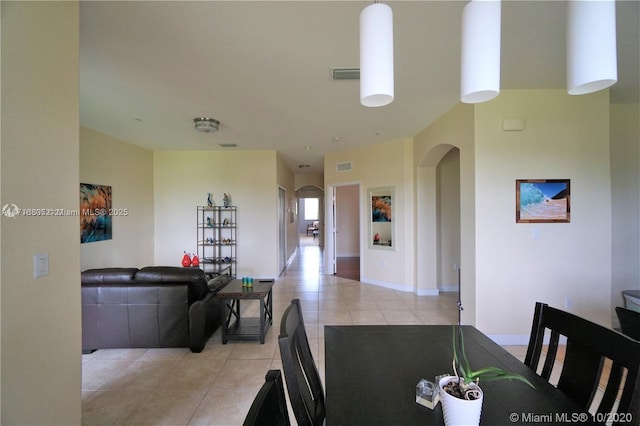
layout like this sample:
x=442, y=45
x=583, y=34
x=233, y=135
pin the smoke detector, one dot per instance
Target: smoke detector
x=206, y=125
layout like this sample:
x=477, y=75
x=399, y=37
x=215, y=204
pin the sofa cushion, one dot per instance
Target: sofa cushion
x=108, y=276
x=194, y=277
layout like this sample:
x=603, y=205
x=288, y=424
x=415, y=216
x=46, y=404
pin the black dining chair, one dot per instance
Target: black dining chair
x=587, y=346
x=269, y=408
x=304, y=386
x=629, y=322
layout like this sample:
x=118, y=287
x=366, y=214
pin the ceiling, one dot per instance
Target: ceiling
x=263, y=69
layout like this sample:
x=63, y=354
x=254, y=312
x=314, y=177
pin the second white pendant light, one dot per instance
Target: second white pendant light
x=480, y=58
x=376, y=55
x=591, y=46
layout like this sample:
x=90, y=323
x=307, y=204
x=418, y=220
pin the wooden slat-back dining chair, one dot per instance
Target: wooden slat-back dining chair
x=629, y=322
x=304, y=386
x=269, y=407
x=588, y=345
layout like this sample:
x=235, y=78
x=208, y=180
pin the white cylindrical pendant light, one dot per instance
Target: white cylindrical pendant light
x=592, y=63
x=376, y=55
x=480, y=59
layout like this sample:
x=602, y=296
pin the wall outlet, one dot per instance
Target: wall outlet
x=568, y=302
x=535, y=233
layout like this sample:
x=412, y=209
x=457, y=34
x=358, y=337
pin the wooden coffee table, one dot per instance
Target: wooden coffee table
x=237, y=328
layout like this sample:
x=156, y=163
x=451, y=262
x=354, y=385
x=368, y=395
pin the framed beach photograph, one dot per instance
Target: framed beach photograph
x=543, y=200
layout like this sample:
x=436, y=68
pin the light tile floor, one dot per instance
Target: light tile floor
x=217, y=386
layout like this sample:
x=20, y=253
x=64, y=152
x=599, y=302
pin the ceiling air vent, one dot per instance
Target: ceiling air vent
x=343, y=167
x=345, y=73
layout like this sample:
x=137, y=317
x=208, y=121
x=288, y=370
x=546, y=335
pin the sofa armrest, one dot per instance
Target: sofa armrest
x=197, y=326
x=205, y=316
x=217, y=283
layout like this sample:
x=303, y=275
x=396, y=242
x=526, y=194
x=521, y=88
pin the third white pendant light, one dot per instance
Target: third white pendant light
x=591, y=46
x=480, y=55
x=376, y=55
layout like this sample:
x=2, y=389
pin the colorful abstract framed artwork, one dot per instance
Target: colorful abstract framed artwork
x=543, y=201
x=381, y=218
x=95, y=213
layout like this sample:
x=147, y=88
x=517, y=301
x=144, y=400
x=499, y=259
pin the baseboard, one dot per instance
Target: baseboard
x=510, y=339
x=519, y=339
x=428, y=292
x=391, y=286
x=448, y=288
x=290, y=260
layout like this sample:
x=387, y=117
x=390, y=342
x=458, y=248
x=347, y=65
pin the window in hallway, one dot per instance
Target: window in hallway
x=311, y=209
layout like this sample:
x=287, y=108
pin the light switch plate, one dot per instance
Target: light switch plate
x=40, y=265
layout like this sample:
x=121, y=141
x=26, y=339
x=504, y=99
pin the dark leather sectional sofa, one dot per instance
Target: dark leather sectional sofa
x=152, y=307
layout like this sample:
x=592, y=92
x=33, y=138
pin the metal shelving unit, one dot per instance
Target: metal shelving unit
x=217, y=227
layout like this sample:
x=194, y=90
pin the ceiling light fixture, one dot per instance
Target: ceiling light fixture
x=206, y=125
x=591, y=46
x=480, y=58
x=376, y=55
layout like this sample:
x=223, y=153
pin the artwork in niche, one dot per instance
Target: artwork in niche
x=292, y=210
x=95, y=213
x=381, y=208
x=543, y=200
x=381, y=218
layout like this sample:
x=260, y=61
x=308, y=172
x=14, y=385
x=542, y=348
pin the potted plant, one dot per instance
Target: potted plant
x=460, y=394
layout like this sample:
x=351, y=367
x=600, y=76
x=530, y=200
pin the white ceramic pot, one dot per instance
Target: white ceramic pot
x=458, y=411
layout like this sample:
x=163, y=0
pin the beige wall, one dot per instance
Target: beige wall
x=182, y=181
x=625, y=196
x=455, y=129
x=41, y=348
x=448, y=208
x=128, y=169
x=520, y=264
x=310, y=179
x=385, y=164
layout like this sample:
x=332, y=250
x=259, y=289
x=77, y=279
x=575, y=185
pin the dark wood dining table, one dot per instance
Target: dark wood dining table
x=371, y=373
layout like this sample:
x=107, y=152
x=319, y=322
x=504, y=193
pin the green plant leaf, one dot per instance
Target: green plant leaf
x=464, y=372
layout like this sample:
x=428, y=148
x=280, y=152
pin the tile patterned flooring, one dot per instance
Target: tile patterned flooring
x=217, y=386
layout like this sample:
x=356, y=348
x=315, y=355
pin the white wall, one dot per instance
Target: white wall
x=40, y=317
x=520, y=264
x=128, y=169
x=625, y=197
x=182, y=181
